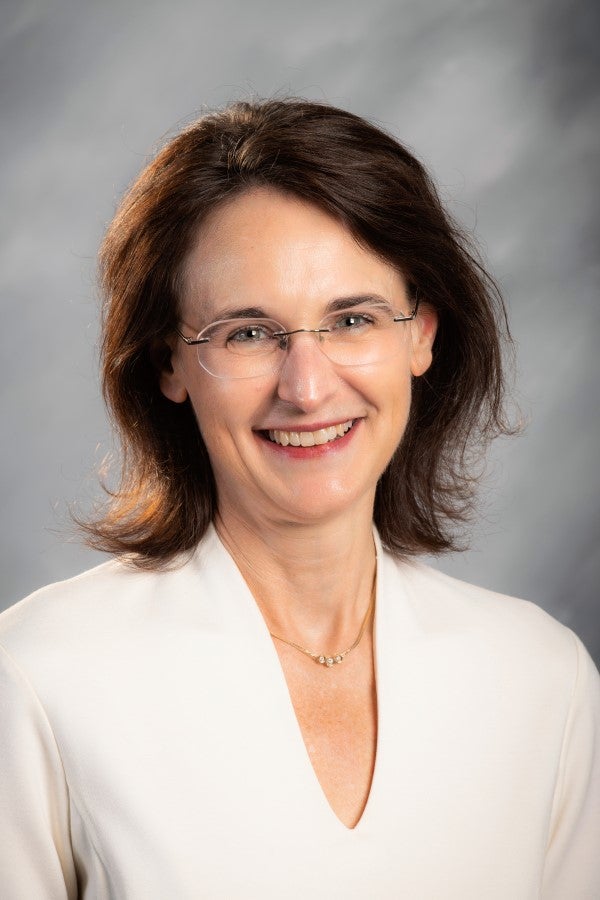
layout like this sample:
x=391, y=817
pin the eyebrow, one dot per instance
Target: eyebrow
x=336, y=305
x=357, y=300
x=246, y=312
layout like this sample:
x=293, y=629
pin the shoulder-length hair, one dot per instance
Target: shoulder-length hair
x=371, y=184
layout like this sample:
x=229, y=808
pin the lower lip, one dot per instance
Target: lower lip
x=314, y=452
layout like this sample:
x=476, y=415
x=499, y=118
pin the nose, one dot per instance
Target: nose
x=307, y=377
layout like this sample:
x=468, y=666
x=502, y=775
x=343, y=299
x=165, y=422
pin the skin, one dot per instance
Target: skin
x=299, y=523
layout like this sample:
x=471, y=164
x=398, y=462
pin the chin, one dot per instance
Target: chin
x=321, y=506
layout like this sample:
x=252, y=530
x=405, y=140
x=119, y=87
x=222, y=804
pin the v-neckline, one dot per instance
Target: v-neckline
x=284, y=699
x=311, y=776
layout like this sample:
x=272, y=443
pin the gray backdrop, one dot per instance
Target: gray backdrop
x=500, y=99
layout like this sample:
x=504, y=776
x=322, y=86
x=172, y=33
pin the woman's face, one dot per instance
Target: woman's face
x=272, y=252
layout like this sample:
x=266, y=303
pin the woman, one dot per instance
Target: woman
x=264, y=694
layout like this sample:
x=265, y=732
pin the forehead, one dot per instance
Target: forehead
x=268, y=249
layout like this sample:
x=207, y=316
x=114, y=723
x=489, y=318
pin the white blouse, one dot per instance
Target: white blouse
x=149, y=748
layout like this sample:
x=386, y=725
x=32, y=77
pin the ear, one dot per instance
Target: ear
x=423, y=331
x=170, y=377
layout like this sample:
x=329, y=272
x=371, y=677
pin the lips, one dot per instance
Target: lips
x=309, y=438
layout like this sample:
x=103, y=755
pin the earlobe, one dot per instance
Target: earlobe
x=172, y=387
x=423, y=331
x=170, y=381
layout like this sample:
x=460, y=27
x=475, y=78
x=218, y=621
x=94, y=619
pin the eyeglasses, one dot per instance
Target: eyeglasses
x=248, y=348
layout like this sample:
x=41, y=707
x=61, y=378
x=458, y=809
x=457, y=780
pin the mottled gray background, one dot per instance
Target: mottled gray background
x=500, y=99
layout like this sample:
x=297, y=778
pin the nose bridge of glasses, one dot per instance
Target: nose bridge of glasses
x=284, y=336
x=302, y=352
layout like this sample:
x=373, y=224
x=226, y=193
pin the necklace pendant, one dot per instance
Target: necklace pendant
x=330, y=661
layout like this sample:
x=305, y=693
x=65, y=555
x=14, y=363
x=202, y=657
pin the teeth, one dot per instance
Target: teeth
x=310, y=438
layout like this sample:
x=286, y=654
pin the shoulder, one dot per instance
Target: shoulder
x=441, y=598
x=509, y=656
x=65, y=601
x=500, y=631
x=91, y=608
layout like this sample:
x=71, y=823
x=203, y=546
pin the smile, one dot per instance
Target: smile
x=310, y=438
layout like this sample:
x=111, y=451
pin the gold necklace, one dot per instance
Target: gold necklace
x=324, y=659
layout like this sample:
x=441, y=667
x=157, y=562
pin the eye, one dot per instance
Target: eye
x=250, y=334
x=352, y=321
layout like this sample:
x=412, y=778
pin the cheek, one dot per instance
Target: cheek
x=401, y=414
x=399, y=391
x=398, y=382
x=209, y=416
x=221, y=410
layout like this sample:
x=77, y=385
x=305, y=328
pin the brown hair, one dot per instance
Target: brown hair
x=369, y=182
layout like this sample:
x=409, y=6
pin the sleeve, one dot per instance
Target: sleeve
x=572, y=865
x=36, y=862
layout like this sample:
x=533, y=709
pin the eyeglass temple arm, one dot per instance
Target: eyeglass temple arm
x=411, y=316
x=191, y=342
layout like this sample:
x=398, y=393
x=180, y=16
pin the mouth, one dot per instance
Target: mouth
x=309, y=438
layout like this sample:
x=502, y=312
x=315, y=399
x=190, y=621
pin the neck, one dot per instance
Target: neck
x=312, y=583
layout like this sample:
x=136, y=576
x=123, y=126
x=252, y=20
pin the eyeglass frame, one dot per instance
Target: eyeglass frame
x=193, y=342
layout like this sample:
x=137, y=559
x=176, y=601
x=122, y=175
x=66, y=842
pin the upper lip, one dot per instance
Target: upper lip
x=299, y=428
